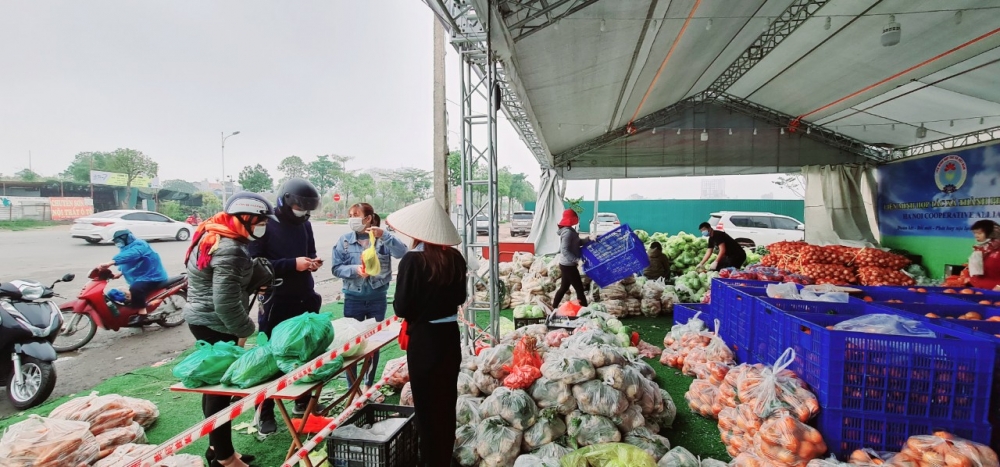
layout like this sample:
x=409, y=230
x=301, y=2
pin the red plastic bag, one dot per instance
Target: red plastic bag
x=522, y=377
x=525, y=354
x=570, y=309
x=404, y=338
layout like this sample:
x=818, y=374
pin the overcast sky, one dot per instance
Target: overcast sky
x=303, y=77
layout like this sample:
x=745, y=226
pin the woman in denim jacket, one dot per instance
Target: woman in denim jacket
x=365, y=295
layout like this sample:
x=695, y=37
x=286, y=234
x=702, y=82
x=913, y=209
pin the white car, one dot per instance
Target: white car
x=147, y=225
x=606, y=222
x=752, y=229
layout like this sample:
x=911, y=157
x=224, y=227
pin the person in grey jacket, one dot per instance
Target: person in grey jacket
x=570, y=254
x=220, y=274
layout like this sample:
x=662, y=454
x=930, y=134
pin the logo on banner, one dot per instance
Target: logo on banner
x=950, y=174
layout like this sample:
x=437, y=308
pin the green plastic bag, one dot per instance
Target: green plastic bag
x=302, y=338
x=608, y=455
x=324, y=372
x=207, y=364
x=255, y=366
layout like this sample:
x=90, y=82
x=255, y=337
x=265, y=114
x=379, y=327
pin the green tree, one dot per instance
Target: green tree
x=292, y=167
x=323, y=173
x=84, y=162
x=27, y=175
x=796, y=183
x=505, y=181
x=133, y=164
x=521, y=189
x=210, y=204
x=256, y=179
x=172, y=209
x=363, y=187
x=181, y=186
x=455, y=168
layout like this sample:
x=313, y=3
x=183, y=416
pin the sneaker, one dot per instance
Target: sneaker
x=137, y=320
x=299, y=409
x=267, y=426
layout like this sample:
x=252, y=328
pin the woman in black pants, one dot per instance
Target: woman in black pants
x=220, y=274
x=569, y=259
x=430, y=287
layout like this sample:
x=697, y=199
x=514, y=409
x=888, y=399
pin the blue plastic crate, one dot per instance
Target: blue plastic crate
x=901, y=295
x=614, y=256
x=771, y=322
x=685, y=311
x=847, y=430
x=945, y=311
x=974, y=299
x=734, y=308
x=740, y=283
x=946, y=377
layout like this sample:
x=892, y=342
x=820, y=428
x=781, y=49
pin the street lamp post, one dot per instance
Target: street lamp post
x=224, y=138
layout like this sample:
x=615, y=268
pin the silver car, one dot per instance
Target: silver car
x=520, y=223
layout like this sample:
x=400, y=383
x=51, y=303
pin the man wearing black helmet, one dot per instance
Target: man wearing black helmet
x=290, y=246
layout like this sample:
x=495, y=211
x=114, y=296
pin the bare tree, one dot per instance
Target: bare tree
x=796, y=183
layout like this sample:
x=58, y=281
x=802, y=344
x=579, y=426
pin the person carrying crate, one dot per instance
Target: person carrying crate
x=570, y=253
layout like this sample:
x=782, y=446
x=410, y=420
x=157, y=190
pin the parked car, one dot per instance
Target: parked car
x=482, y=225
x=520, y=223
x=147, y=225
x=606, y=222
x=753, y=229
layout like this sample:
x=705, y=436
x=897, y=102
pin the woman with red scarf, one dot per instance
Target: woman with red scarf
x=987, y=249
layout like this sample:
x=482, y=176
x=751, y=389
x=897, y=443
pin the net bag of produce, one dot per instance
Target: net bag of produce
x=569, y=370
x=598, y=398
x=522, y=377
x=701, y=398
x=776, y=391
x=102, y=413
x=465, y=446
x=944, y=449
x=678, y=457
x=207, y=364
x=467, y=410
x=303, y=337
x=654, y=444
x=406, y=395
x=486, y=383
x=146, y=412
x=549, y=427
x=630, y=419
x=494, y=360
x=515, y=407
x=626, y=379
x=608, y=455
x=585, y=429
x=467, y=385
x=48, y=442
x=784, y=440
x=497, y=443
x=255, y=366
x=549, y=394
x=111, y=439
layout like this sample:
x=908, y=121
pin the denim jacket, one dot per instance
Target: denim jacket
x=347, y=258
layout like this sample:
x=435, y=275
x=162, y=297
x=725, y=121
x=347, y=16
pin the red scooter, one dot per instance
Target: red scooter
x=91, y=309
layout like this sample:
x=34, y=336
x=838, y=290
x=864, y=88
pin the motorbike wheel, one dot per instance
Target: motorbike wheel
x=39, y=381
x=173, y=310
x=81, y=329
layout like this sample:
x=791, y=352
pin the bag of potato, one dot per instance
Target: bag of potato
x=48, y=442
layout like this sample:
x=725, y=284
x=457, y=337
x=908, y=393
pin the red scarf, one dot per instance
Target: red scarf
x=206, y=237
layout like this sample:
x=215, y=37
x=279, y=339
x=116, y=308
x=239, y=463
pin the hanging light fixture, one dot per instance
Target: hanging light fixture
x=678, y=131
x=603, y=26
x=893, y=127
x=921, y=131
x=730, y=132
x=951, y=123
x=654, y=130
x=755, y=131
x=782, y=130
x=828, y=23
x=891, y=32
x=808, y=130
x=704, y=135
x=981, y=120
x=958, y=17
x=708, y=25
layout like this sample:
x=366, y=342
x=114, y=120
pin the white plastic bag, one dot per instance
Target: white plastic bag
x=834, y=297
x=885, y=324
x=976, y=267
x=785, y=290
x=345, y=329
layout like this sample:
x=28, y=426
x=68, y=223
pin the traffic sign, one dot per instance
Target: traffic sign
x=336, y=196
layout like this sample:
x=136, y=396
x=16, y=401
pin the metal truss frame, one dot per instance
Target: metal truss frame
x=526, y=17
x=951, y=142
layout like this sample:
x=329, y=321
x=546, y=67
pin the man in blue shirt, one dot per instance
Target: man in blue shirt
x=141, y=267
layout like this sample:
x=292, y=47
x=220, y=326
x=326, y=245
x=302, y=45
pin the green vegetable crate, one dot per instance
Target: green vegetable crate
x=400, y=450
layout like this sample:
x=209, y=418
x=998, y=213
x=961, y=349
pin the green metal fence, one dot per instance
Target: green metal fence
x=674, y=215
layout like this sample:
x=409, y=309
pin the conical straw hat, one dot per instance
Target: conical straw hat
x=425, y=221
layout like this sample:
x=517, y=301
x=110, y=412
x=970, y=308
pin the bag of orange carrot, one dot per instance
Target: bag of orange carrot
x=786, y=441
x=779, y=389
x=701, y=398
x=715, y=351
x=943, y=449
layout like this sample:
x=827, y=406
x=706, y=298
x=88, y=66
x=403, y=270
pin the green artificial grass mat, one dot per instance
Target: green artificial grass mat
x=179, y=411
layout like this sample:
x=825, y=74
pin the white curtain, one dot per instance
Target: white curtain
x=548, y=209
x=839, y=205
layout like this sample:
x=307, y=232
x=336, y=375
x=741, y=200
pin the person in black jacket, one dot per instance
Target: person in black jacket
x=731, y=254
x=430, y=287
x=291, y=248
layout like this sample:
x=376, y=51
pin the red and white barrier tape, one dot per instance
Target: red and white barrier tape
x=473, y=326
x=251, y=401
x=354, y=407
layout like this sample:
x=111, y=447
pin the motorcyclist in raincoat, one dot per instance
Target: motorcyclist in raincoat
x=142, y=268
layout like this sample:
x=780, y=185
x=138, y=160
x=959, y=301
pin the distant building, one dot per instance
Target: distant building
x=713, y=188
x=216, y=187
x=767, y=196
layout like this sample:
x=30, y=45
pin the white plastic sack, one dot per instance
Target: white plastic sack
x=976, y=267
x=345, y=329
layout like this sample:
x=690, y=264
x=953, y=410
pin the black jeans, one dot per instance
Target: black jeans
x=274, y=311
x=734, y=261
x=221, y=438
x=434, y=357
x=570, y=277
x=139, y=291
x=362, y=310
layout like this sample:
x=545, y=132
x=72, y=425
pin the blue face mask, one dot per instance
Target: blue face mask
x=119, y=244
x=704, y=233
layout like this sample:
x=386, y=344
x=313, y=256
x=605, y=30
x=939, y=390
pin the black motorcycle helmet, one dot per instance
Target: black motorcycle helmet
x=298, y=192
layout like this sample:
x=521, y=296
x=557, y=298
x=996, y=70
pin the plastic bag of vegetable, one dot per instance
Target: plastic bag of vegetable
x=553, y=394
x=465, y=445
x=669, y=413
x=549, y=427
x=522, y=377
x=207, y=364
x=716, y=351
x=322, y=373
x=626, y=379
x=467, y=385
x=255, y=366
x=868, y=457
x=650, y=307
x=782, y=439
x=693, y=325
x=737, y=427
x=678, y=457
x=303, y=337
x=497, y=443
x=608, y=455
x=644, y=369
x=552, y=451
x=654, y=444
x=486, y=383
x=585, y=429
x=775, y=391
x=469, y=362
x=467, y=410
x=589, y=338
x=569, y=370
x=494, y=359
x=406, y=395
x=402, y=375
x=945, y=449
x=345, y=329
x=614, y=291
x=881, y=323
x=630, y=419
x=531, y=460
x=48, y=442
x=701, y=398
x=555, y=338
x=597, y=398
x=713, y=372
x=515, y=407
x=650, y=399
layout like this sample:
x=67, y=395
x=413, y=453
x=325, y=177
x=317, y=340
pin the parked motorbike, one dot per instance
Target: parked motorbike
x=93, y=309
x=29, y=323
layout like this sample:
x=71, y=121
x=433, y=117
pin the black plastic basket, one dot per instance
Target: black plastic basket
x=522, y=322
x=400, y=450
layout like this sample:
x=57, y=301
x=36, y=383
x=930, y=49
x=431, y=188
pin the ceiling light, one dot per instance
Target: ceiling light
x=654, y=130
x=921, y=131
x=560, y=126
x=678, y=131
x=981, y=120
x=828, y=23
x=582, y=128
x=704, y=135
x=891, y=32
x=755, y=131
x=951, y=123
x=958, y=17
x=808, y=130
x=893, y=127
x=603, y=26
x=730, y=132
x=708, y=25
x=782, y=130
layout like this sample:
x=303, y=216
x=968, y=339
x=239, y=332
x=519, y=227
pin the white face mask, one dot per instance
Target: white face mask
x=299, y=213
x=704, y=233
x=356, y=224
x=258, y=230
